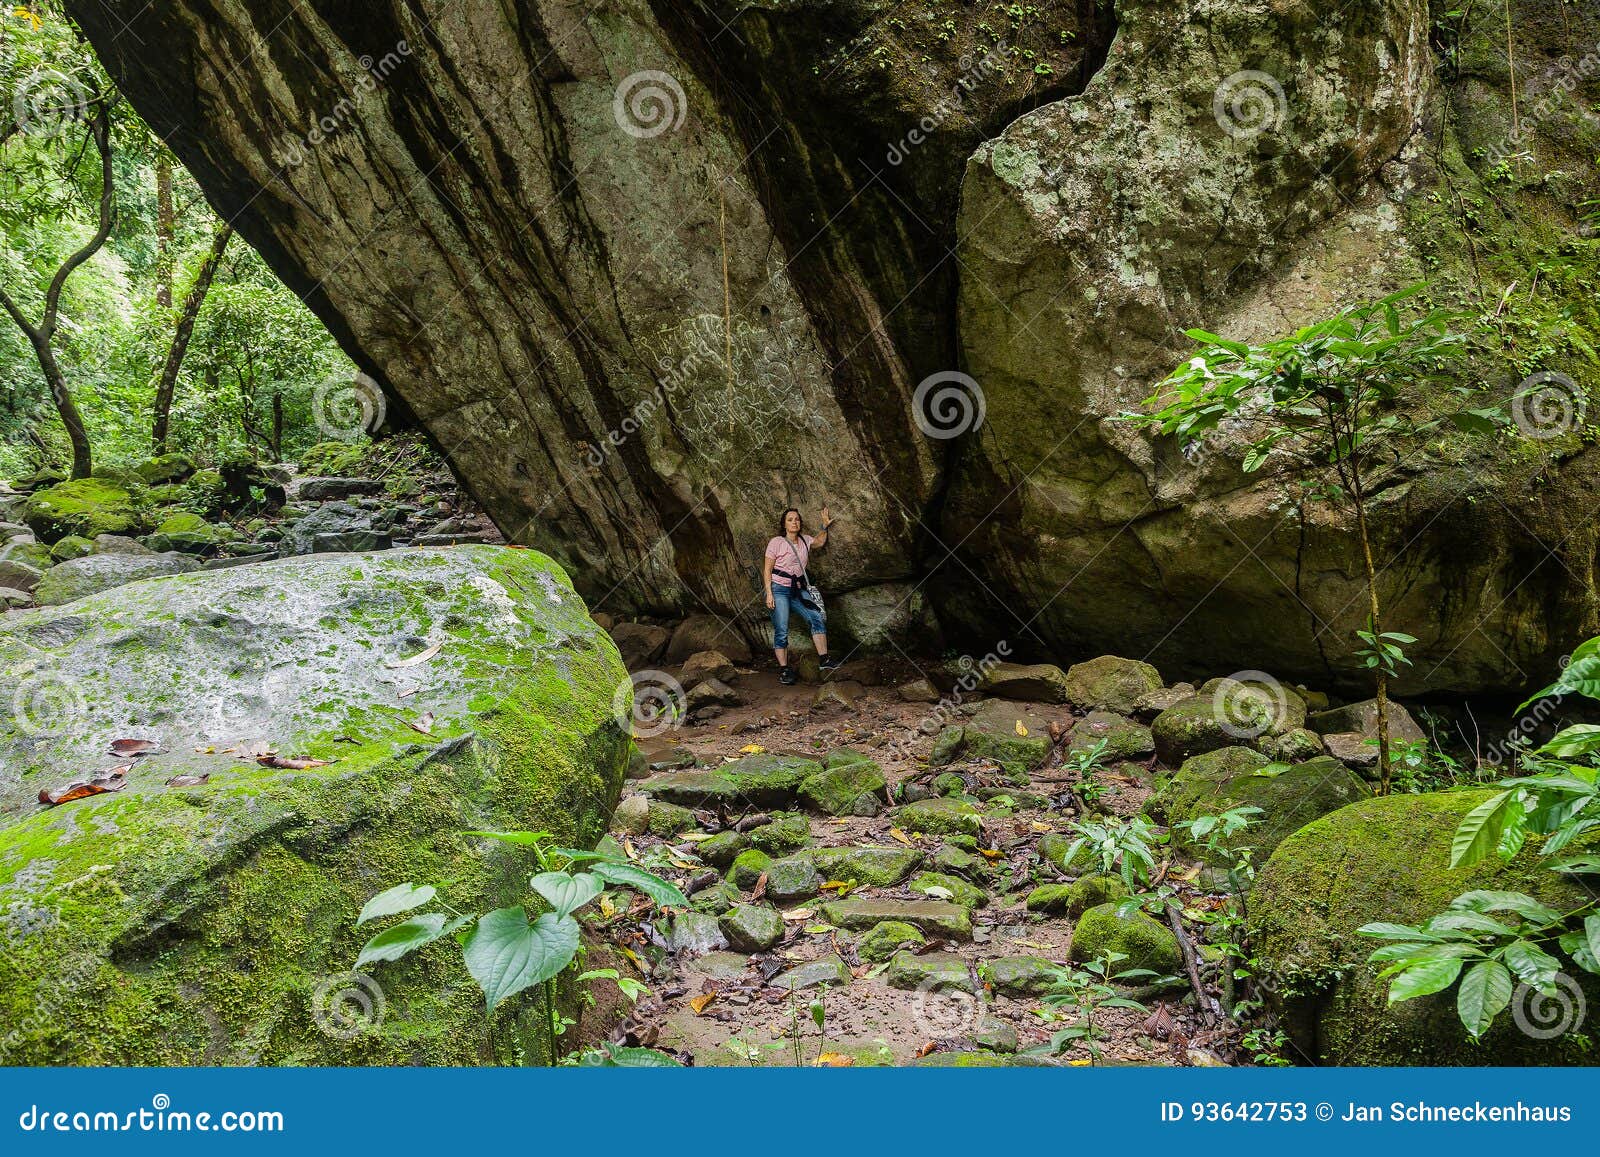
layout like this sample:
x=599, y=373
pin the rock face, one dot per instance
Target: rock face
x=592, y=266
x=212, y=921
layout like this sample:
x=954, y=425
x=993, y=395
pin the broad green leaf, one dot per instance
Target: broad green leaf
x=1394, y=932
x=1532, y=964
x=565, y=893
x=1591, y=930
x=1485, y=993
x=506, y=954
x=400, y=898
x=1425, y=979
x=1489, y=901
x=1470, y=922
x=614, y=1056
x=1478, y=834
x=1576, y=944
x=1577, y=865
x=407, y=936
x=1572, y=742
x=628, y=876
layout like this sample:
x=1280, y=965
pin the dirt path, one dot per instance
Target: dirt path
x=963, y=998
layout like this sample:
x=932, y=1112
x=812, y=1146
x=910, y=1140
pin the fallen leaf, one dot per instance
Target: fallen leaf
x=799, y=914
x=901, y=836
x=696, y=837
x=835, y=1061
x=188, y=780
x=1039, y=827
x=939, y=893
x=1021, y=730
x=416, y=660
x=991, y=854
x=1034, y=944
x=407, y=693
x=843, y=887
x=702, y=1002
x=926, y=1049
x=760, y=889
x=1080, y=1062
x=289, y=763
x=127, y=748
x=627, y=848
x=107, y=781
x=752, y=749
x=424, y=724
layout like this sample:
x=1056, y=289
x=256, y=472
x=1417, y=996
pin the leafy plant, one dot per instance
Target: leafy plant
x=1489, y=940
x=510, y=950
x=1089, y=990
x=1326, y=400
x=1119, y=845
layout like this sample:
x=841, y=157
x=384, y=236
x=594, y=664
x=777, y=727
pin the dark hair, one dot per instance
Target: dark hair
x=783, y=522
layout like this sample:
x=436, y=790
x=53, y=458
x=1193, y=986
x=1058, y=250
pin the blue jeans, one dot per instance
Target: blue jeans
x=783, y=599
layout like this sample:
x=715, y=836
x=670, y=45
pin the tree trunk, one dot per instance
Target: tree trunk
x=168, y=383
x=1377, y=632
x=41, y=336
x=276, y=445
x=165, y=230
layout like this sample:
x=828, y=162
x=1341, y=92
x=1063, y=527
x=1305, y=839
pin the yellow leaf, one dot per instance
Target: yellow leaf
x=607, y=908
x=627, y=846
x=685, y=864
x=1021, y=730
x=901, y=836
x=1034, y=944
x=752, y=749
x=1080, y=1062
x=694, y=837
x=1039, y=827
x=702, y=1002
x=835, y=1061
x=991, y=854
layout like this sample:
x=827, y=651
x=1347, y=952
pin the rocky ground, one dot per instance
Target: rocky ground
x=892, y=846
x=61, y=540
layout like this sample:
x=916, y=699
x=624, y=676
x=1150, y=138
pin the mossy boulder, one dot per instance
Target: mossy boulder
x=1146, y=942
x=880, y=942
x=756, y=781
x=165, y=468
x=748, y=868
x=1110, y=683
x=844, y=779
x=791, y=879
x=1226, y=713
x=86, y=507
x=212, y=920
x=1386, y=859
x=1029, y=682
x=992, y=733
x=943, y=816
x=187, y=533
x=937, y=886
x=786, y=833
x=93, y=573
x=1289, y=798
x=1049, y=898
x=867, y=866
x=751, y=927
x=1123, y=738
x=70, y=547
x=1093, y=891
x=719, y=851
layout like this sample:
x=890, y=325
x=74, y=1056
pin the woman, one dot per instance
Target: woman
x=789, y=588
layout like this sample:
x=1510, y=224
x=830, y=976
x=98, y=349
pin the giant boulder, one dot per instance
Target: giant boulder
x=211, y=920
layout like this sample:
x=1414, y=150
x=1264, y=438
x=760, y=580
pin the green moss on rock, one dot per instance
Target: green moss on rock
x=86, y=507
x=1385, y=859
x=1145, y=942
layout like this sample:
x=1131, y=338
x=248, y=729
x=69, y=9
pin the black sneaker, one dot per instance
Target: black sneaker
x=787, y=677
x=829, y=663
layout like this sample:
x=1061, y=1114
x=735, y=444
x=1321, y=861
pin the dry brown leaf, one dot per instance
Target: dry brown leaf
x=423, y=723
x=702, y=1002
x=107, y=781
x=926, y=1049
x=290, y=763
x=760, y=889
x=132, y=748
x=188, y=780
x=834, y=1061
x=416, y=660
x=799, y=914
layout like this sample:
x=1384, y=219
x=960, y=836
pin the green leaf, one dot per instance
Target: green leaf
x=506, y=954
x=1490, y=901
x=407, y=936
x=1470, y=922
x=628, y=876
x=1532, y=964
x=614, y=1056
x=1478, y=834
x=1591, y=931
x=400, y=898
x=1485, y=993
x=1577, y=865
x=1425, y=978
x=1572, y=742
x=1394, y=932
x=565, y=893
